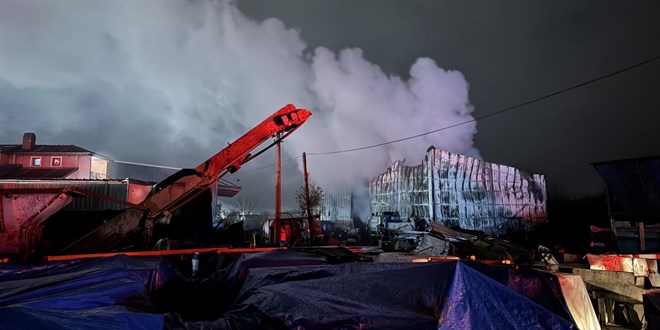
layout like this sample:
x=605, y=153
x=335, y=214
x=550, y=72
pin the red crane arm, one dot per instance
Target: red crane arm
x=184, y=185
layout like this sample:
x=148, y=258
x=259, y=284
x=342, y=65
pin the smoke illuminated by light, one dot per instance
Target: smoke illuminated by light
x=171, y=82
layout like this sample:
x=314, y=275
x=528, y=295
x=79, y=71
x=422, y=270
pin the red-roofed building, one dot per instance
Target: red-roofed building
x=32, y=161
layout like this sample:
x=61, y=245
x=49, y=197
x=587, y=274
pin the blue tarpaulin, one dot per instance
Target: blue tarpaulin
x=449, y=295
x=277, y=290
x=82, y=294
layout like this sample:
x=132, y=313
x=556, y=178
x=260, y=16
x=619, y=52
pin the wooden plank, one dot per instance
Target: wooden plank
x=598, y=276
x=618, y=292
x=602, y=311
x=654, y=277
x=640, y=267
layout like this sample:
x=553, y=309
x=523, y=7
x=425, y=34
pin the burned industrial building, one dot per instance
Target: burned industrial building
x=465, y=200
x=460, y=191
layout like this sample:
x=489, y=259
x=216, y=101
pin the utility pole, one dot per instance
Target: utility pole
x=278, y=189
x=308, y=207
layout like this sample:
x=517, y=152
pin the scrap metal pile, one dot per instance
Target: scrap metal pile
x=417, y=238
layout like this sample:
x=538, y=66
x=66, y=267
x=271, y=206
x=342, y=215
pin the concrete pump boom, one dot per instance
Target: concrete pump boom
x=183, y=186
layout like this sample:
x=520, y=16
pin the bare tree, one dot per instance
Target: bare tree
x=315, y=197
x=245, y=205
x=307, y=203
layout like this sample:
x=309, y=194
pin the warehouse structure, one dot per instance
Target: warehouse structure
x=460, y=191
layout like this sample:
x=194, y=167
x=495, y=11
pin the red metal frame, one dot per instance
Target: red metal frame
x=21, y=230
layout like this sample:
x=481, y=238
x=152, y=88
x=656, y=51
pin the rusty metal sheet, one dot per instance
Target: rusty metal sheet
x=457, y=190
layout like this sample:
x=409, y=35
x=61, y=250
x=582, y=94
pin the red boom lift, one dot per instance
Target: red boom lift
x=134, y=226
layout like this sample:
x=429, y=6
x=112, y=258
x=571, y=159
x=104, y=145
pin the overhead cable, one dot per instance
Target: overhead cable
x=492, y=113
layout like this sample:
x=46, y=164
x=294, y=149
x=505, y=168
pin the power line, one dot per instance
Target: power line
x=267, y=166
x=468, y=121
x=492, y=113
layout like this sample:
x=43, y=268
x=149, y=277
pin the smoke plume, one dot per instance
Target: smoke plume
x=172, y=82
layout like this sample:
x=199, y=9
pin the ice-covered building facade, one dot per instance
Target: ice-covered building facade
x=457, y=190
x=337, y=207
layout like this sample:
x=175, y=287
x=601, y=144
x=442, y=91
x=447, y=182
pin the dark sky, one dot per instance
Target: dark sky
x=511, y=52
x=171, y=82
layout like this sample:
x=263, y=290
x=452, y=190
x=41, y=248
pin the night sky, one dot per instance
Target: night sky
x=511, y=52
x=171, y=82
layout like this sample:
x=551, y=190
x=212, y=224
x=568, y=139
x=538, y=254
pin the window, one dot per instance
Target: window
x=99, y=168
x=35, y=161
x=56, y=161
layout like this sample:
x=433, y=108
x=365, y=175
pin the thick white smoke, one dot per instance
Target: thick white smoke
x=171, y=82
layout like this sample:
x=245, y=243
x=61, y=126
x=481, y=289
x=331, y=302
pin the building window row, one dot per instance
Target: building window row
x=54, y=161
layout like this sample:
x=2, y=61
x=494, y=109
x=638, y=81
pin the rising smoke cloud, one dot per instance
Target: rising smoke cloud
x=172, y=82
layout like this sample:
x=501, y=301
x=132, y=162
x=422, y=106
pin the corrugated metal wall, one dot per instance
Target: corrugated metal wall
x=456, y=190
x=115, y=189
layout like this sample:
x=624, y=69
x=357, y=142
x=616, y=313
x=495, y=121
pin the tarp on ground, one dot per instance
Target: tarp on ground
x=275, y=290
x=447, y=295
x=100, y=293
x=213, y=290
x=563, y=294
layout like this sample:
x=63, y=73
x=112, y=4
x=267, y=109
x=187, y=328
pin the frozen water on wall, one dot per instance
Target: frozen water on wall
x=457, y=190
